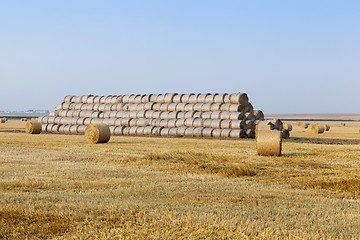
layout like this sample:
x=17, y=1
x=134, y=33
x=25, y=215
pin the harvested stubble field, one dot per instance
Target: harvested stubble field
x=60, y=187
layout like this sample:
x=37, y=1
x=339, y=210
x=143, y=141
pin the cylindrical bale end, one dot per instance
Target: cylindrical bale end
x=268, y=142
x=317, y=128
x=33, y=127
x=326, y=126
x=97, y=133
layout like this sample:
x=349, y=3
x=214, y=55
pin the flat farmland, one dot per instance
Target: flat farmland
x=60, y=187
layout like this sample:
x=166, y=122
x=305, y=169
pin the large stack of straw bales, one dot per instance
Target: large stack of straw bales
x=170, y=114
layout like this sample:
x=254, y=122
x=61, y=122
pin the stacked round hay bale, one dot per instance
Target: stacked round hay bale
x=168, y=114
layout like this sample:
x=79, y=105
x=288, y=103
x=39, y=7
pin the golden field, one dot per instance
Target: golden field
x=60, y=187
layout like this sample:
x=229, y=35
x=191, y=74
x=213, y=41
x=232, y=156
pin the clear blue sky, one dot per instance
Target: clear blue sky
x=289, y=56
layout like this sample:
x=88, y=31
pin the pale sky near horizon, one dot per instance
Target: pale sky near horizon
x=300, y=56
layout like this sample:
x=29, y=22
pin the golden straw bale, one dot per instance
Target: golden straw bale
x=316, y=128
x=97, y=133
x=302, y=124
x=342, y=124
x=326, y=126
x=268, y=142
x=33, y=127
x=285, y=133
x=287, y=126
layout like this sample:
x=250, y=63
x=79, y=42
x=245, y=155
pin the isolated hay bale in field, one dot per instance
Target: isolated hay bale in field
x=207, y=132
x=216, y=133
x=259, y=115
x=316, y=128
x=239, y=98
x=177, y=98
x=215, y=107
x=342, y=124
x=268, y=142
x=287, y=126
x=225, y=133
x=301, y=124
x=326, y=126
x=33, y=127
x=285, y=133
x=219, y=98
x=261, y=127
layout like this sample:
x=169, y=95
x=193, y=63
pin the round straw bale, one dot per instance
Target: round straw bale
x=65, y=106
x=132, y=107
x=225, y=133
x=87, y=121
x=110, y=121
x=301, y=124
x=156, y=131
x=90, y=100
x=189, y=114
x=102, y=99
x=101, y=115
x=202, y=97
x=261, y=127
x=143, y=122
x=44, y=126
x=156, y=106
x=169, y=97
x=189, y=107
x=216, y=123
x=126, y=131
x=76, y=99
x=173, y=132
x=132, y=131
x=164, y=123
x=40, y=119
x=112, y=129
x=156, y=114
x=237, y=116
x=141, y=114
x=207, y=132
x=43, y=120
x=146, y=98
x=210, y=98
x=119, y=107
x=197, y=122
x=81, y=129
x=107, y=114
x=180, y=107
x=180, y=122
x=206, y=115
x=342, y=124
x=316, y=128
x=177, y=98
x=97, y=121
x=219, y=98
x=164, y=107
x=133, y=122
x=287, y=126
x=189, y=132
x=225, y=115
x=138, y=99
x=225, y=124
x=277, y=124
x=61, y=128
x=164, y=115
x=238, y=133
x=97, y=99
x=193, y=98
x=173, y=114
x=73, y=129
x=235, y=108
x=181, y=131
x=285, y=133
x=49, y=120
x=101, y=107
x=33, y=127
x=133, y=114
x=197, y=115
x=95, y=114
x=76, y=113
x=148, y=130
x=56, y=120
x=118, y=131
x=172, y=107
x=160, y=98
x=216, y=133
x=62, y=113
x=249, y=116
x=205, y=107
x=153, y=97
x=171, y=123
x=215, y=115
x=122, y=114
x=250, y=133
x=181, y=114
x=96, y=106
x=227, y=98
x=239, y=98
x=148, y=113
x=198, y=131
x=268, y=143
x=84, y=98
x=259, y=115
x=108, y=99
x=148, y=106
x=59, y=107
x=189, y=122
x=225, y=107
x=125, y=122
x=164, y=132
x=207, y=123
x=113, y=114
x=215, y=106
x=68, y=98
x=140, y=107
x=80, y=121
x=49, y=127
x=132, y=98
x=115, y=100
x=250, y=124
x=140, y=131
x=326, y=126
